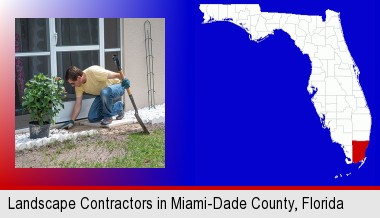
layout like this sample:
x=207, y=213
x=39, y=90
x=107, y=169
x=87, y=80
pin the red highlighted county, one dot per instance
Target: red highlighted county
x=358, y=150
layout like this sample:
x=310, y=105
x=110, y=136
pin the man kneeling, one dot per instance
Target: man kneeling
x=106, y=85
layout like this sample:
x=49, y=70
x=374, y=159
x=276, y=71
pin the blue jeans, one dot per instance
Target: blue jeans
x=103, y=105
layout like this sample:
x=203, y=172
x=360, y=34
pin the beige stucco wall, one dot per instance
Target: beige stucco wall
x=133, y=57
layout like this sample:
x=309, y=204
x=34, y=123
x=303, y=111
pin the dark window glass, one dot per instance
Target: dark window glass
x=110, y=65
x=32, y=35
x=77, y=31
x=111, y=33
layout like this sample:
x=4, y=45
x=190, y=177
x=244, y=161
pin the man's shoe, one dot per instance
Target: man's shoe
x=121, y=114
x=106, y=121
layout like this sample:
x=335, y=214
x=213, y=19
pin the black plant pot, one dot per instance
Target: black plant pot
x=37, y=131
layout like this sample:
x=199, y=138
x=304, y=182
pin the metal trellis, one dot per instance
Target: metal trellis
x=149, y=64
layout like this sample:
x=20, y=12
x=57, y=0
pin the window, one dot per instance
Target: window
x=50, y=46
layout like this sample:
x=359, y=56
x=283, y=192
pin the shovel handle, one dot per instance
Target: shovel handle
x=128, y=90
x=117, y=62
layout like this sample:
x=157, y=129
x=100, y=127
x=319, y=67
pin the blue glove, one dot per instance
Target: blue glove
x=125, y=83
x=67, y=125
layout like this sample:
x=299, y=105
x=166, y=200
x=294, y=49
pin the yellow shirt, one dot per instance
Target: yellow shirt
x=96, y=81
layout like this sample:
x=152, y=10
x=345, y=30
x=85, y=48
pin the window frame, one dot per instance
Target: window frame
x=54, y=49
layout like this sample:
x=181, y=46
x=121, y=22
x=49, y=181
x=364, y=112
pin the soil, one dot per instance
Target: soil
x=87, y=149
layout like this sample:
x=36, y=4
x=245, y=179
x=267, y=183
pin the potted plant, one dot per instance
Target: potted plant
x=43, y=99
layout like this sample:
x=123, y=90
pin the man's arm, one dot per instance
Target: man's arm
x=124, y=81
x=77, y=107
x=113, y=75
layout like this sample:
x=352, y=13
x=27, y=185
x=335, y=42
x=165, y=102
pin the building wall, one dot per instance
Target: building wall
x=134, y=59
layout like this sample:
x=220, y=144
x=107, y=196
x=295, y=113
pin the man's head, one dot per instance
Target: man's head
x=74, y=76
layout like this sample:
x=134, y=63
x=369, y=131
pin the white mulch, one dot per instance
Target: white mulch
x=147, y=115
x=23, y=141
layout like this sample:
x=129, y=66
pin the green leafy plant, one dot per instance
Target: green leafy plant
x=43, y=98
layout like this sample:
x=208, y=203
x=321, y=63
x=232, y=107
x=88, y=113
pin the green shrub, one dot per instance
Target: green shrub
x=43, y=98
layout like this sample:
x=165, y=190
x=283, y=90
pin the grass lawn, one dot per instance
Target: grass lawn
x=141, y=151
x=104, y=150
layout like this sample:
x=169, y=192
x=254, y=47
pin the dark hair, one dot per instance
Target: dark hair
x=72, y=73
